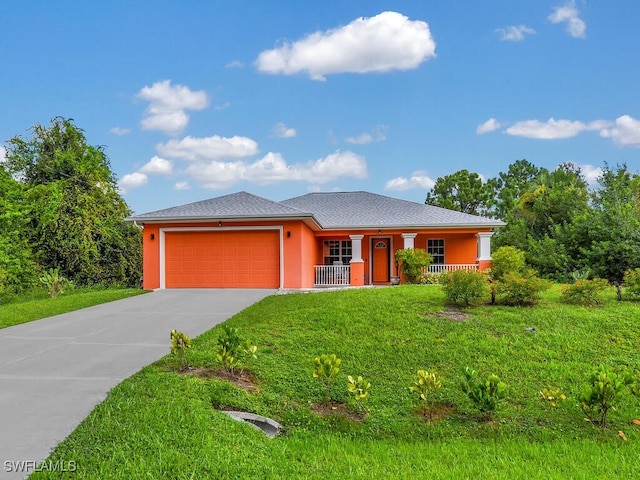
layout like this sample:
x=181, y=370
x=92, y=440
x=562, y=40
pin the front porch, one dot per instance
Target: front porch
x=369, y=259
x=340, y=275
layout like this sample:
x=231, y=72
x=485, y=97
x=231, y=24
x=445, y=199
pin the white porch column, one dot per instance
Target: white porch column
x=356, y=248
x=409, y=239
x=484, y=246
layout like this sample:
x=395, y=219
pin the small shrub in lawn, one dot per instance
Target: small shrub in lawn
x=585, y=292
x=326, y=370
x=552, y=397
x=413, y=263
x=55, y=283
x=521, y=290
x=232, y=350
x=485, y=393
x=359, y=387
x=464, y=288
x=632, y=283
x=425, y=386
x=180, y=343
x=604, y=386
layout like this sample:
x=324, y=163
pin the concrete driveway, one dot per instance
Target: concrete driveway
x=54, y=371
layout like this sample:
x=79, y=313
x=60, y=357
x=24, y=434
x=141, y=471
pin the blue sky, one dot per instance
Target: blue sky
x=196, y=99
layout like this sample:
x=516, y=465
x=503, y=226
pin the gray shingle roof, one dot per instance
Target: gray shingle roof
x=330, y=210
x=364, y=209
x=235, y=205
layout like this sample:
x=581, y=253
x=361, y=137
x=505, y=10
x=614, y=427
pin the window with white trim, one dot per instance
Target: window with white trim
x=337, y=252
x=435, y=248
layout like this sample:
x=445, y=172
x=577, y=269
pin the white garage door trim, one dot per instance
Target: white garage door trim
x=280, y=229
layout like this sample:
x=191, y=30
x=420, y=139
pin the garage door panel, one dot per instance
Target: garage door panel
x=222, y=259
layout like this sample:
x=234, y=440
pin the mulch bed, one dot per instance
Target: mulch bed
x=454, y=315
x=245, y=380
x=333, y=408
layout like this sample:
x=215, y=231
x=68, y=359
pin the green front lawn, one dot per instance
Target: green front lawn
x=37, y=304
x=160, y=424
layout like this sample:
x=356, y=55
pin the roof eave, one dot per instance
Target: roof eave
x=416, y=227
x=228, y=218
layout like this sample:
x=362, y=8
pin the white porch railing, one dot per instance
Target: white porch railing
x=330, y=275
x=450, y=267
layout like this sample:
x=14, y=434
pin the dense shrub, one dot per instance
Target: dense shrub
x=585, y=292
x=522, y=290
x=464, y=288
x=413, y=263
x=506, y=260
x=485, y=393
x=632, y=283
x=430, y=279
x=604, y=386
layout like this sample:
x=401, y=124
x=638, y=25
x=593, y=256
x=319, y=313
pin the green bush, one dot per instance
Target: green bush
x=425, y=386
x=413, y=263
x=232, y=350
x=464, y=288
x=632, y=283
x=604, y=386
x=584, y=292
x=430, y=279
x=506, y=260
x=180, y=343
x=521, y=290
x=359, y=388
x=484, y=393
x=55, y=283
x=326, y=370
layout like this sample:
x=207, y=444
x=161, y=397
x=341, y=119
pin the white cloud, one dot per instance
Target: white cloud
x=273, y=168
x=388, y=41
x=282, y=131
x=120, y=131
x=3, y=154
x=166, y=110
x=552, y=129
x=489, y=126
x=590, y=173
x=131, y=181
x=379, y=135
x=514, y=33
x=335, y=166
x=418, y=179
x=234, y=64
x=212, y=148
x=224, y=106
x=625, y=133
x=569, y=14
x=158, y=166
x=182, y=186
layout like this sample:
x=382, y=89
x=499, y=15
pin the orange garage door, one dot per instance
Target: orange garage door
x=233, y=259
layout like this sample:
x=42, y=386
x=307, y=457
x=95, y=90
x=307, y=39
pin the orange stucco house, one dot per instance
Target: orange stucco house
x=319, y=239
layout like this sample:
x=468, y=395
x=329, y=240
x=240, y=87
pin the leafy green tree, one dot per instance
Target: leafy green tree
x=542, y=222
x=18, y=269
x=609, y=234
x=511, y=185
x=76, y=212
x=463, y=191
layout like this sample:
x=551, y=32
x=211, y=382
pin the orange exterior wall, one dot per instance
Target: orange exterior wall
x=299, y=252
x=151, y=257
x=303, y=249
